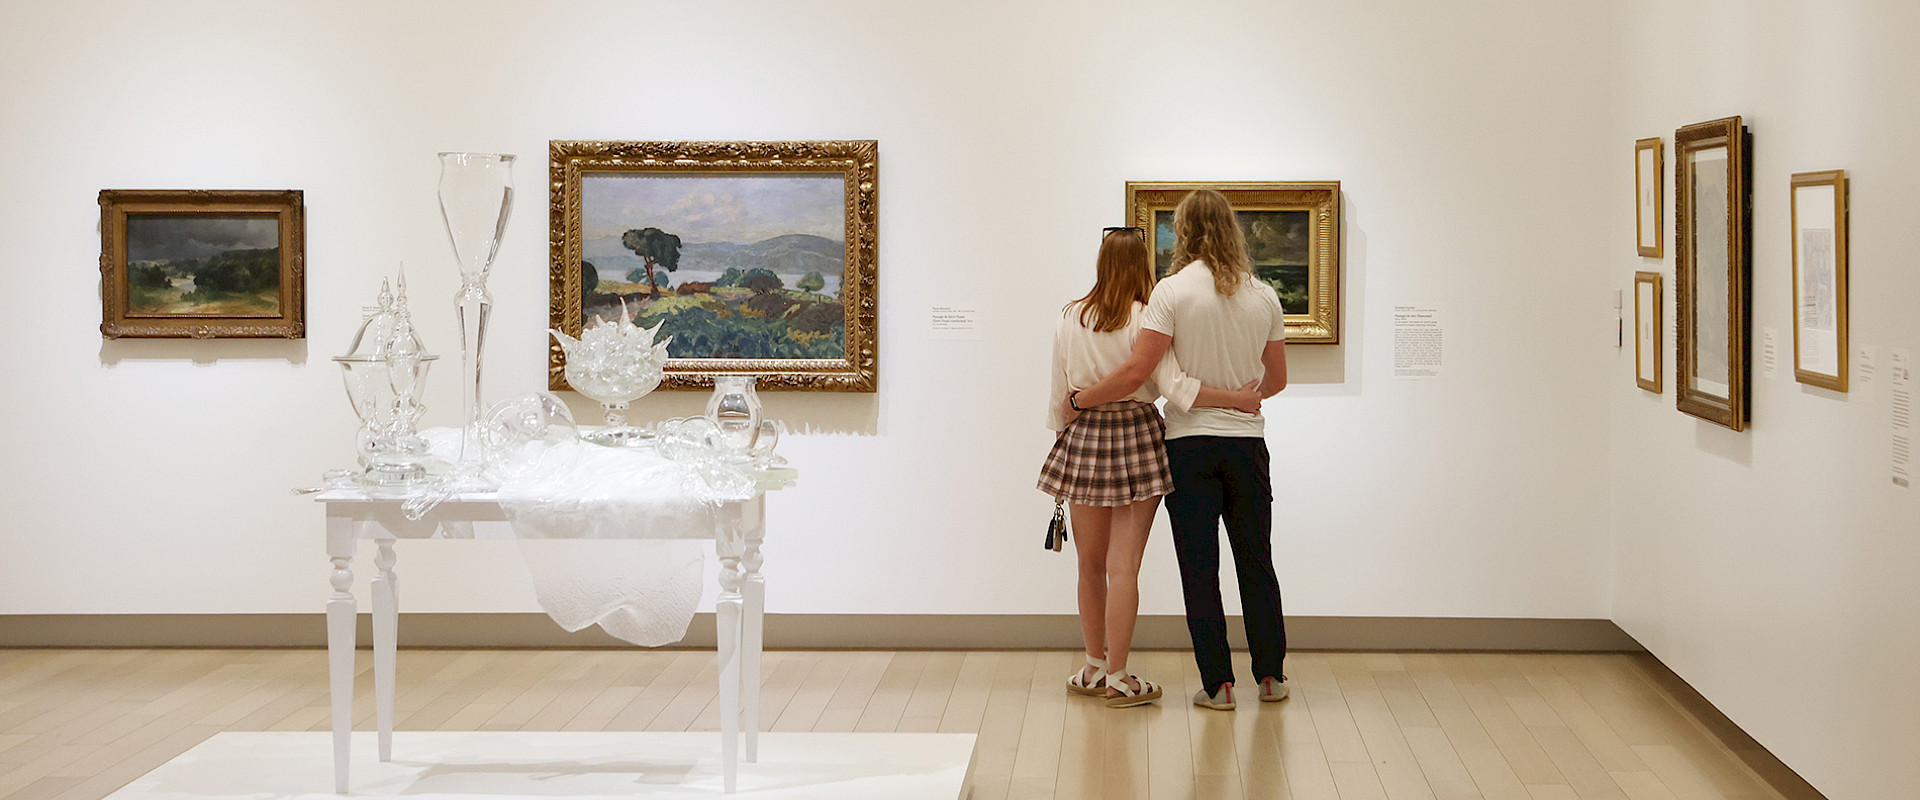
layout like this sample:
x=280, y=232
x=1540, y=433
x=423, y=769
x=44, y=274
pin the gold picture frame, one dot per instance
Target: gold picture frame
x=202, y=264
x=760, y=294
x=1819, y=214
x=1713, y=243
x=1649, y=176
x=1648, y=297
x=1296, y=225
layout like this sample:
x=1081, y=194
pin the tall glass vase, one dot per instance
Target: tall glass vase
x=476, y=195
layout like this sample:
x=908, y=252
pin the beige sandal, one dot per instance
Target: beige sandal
x=1094, y=686
x=1121, y=695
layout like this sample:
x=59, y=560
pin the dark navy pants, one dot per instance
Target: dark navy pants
x=1216, y=478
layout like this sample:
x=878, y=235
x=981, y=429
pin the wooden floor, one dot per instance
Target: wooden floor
x=82, y=723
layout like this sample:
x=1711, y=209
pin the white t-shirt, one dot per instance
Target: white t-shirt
x=1219, y=340
x=1082, y=356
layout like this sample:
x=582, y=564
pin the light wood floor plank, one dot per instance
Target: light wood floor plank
x=1513, y=738
x=968, y=702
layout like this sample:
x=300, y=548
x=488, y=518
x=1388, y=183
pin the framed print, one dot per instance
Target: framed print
x=1293, y=235
x=758, y=258
x=1820, y=279
x=1647, y=298
x=202, y=264
x=1712, y=237
x=1649, y=172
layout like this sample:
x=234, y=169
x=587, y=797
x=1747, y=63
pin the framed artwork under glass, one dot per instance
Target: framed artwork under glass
x=1293, y=236
x=1820, y=279
x=202, y=264
x=757, y=258
x=1649, y=168
x=1647, y=325
x=1712, y=239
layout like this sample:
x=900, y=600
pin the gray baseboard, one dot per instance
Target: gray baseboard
x=810, y=631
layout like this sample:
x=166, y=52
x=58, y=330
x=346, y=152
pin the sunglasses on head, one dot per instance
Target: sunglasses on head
x=1118, y=228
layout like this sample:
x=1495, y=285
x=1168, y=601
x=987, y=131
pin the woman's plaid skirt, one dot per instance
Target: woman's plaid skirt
x=1112, y=455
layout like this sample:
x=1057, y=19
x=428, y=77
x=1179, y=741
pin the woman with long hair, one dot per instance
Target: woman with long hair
x=1226, y=328
x=1109, y=461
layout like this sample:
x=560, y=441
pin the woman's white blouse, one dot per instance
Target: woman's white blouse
x=1082, y=356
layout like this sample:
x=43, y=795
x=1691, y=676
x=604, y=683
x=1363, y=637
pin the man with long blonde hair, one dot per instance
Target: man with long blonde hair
x=1226, y=329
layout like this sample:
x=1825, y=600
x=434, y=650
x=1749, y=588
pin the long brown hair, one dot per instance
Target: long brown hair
x=1123, y=276
x=1207, y=231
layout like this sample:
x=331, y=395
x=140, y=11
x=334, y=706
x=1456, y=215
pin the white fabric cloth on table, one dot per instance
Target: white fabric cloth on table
x=615, y=537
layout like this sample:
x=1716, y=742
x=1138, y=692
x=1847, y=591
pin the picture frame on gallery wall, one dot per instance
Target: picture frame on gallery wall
x=202, y=264
x=1647, y=326
x=1713, y=246
x=1649, y=174
x=1293, y=235
x=1819, y=214
x=756, y=258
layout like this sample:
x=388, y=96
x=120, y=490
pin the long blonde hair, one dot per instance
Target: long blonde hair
x=1206, y=230
x=1122, y=277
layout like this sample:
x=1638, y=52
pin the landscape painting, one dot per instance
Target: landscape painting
x=730, y=266
x=202, y=263
x=225, y=266
x=1277, y=241
x=756, y=258
x=1293, y=238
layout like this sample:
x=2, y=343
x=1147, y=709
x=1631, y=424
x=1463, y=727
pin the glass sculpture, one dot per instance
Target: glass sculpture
x=615, y=363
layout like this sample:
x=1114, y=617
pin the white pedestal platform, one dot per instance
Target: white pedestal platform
x=492, y=765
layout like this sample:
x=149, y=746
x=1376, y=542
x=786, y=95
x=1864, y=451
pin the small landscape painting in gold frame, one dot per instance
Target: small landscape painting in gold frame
x=1820, y=279
x=1293, y=237
x=202, y=264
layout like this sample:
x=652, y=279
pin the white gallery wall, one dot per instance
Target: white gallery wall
x=1774, y=569
x=153, y=476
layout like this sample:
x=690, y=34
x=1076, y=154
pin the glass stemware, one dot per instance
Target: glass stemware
x=476, y=196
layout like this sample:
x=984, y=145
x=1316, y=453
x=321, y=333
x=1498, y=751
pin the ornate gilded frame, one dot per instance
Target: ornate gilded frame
x=1649, y=197
x=857, y=160
x=289, y=209
x=1321, y=322
x=1732, y=410
x=1835, y=380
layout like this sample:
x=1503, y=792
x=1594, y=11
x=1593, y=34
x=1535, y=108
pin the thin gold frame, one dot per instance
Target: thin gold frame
x=288, y=207
x=1734, y=410
x=1321, y=323
x=857, y=160
x=1838, y=180
x=1641, y=184
x=1640, y=316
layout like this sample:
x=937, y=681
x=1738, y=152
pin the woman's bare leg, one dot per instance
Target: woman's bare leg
x=1091, y=526
x=1128, y=544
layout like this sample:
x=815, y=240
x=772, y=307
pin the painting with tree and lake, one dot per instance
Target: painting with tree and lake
x=754, y=257
x=730, y=266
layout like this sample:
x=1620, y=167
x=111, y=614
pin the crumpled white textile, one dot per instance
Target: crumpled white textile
x=615, y=537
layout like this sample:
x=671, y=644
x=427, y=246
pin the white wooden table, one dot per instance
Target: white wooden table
x=351, y=515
